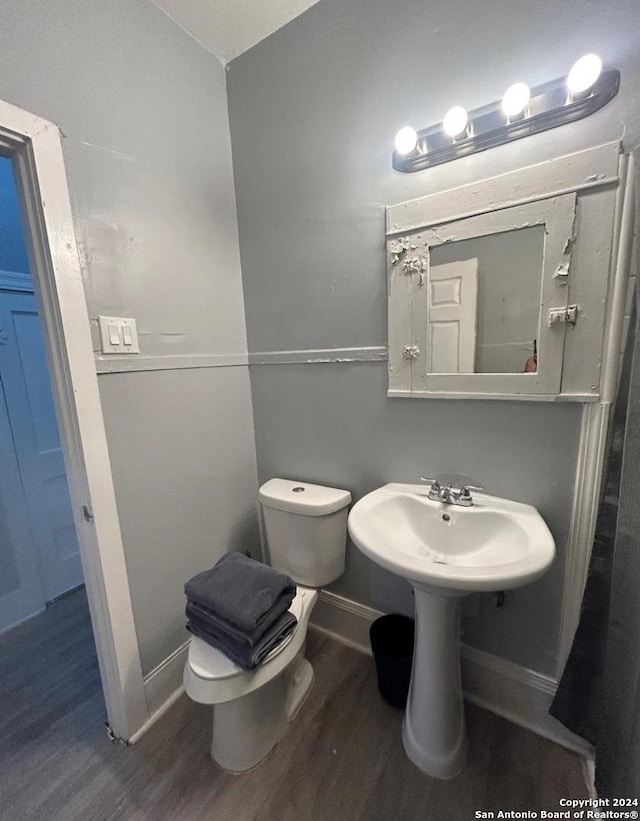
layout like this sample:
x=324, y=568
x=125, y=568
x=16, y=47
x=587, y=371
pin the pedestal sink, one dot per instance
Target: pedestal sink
x=446, y=552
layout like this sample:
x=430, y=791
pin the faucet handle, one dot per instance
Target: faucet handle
x=435, y=484
x=465, y=492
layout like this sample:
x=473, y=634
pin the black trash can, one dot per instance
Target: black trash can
x=392, y=645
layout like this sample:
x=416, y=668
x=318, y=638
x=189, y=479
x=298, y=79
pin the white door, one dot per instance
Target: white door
x=21, y=592
x=452, y=317
x=34, y=430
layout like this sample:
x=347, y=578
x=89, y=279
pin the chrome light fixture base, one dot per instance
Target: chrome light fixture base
x=550, y=105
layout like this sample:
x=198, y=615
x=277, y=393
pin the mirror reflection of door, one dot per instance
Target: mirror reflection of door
x=452, y=317
x=507, y=299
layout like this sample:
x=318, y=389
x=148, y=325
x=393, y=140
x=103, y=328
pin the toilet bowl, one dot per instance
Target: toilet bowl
x=306, y=537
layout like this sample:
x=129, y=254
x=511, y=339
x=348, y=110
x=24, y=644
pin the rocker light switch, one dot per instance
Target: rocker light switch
x=114, y=334
x=118, y=334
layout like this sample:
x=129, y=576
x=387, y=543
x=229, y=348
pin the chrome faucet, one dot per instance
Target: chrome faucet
x=450, y=495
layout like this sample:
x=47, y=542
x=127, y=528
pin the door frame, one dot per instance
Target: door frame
x=35, y=147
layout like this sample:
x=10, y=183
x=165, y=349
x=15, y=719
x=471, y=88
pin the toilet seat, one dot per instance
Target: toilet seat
x=210, y=663
x=210, y=677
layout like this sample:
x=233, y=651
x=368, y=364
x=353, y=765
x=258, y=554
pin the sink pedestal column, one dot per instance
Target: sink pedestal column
x=434, y=732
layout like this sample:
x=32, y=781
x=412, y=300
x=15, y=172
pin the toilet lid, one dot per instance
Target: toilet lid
x=210, y=663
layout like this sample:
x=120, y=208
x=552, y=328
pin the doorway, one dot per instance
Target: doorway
x=34, y=147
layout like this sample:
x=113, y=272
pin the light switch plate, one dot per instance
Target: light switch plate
x=118, y=334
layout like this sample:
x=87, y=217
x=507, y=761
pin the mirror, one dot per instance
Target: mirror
x=479, y=304
x=484, y=296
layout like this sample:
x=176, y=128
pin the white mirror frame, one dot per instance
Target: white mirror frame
x=557, y=216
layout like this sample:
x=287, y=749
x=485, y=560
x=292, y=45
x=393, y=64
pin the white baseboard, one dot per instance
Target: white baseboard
x=162, y=682
x=517, y=694
x=500, y=686
x=22, y=620
x=163, y=687
x=156, y=715
x=344, y=619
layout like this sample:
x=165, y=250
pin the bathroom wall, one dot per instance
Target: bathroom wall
x=313, y=111
x=143, y=111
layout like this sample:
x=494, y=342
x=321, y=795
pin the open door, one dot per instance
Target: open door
x=21, y=593
x=34, y=432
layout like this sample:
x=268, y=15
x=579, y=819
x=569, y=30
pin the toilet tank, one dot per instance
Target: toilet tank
x=306, y=529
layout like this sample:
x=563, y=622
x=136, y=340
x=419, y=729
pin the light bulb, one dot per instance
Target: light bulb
x=516, y=99
x=584, y=73
x=406, y=140
x=455, y=121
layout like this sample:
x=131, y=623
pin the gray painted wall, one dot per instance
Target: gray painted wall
x=313, y=111
x=144, y=113
x=186, y=485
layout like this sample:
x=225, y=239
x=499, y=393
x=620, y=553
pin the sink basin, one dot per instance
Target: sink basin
x=446, y=552
x=495, y=544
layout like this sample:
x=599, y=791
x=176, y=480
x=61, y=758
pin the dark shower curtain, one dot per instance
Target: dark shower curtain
x=599, y=693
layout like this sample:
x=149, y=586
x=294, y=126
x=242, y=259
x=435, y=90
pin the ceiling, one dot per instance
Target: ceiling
x=229, y=27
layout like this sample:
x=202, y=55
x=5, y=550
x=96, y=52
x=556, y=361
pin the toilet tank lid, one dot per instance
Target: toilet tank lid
x=303, y=497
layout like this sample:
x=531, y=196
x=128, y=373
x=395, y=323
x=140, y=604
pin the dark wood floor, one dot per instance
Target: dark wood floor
x=342, y=759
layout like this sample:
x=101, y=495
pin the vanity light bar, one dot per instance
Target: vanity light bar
x=548, y=106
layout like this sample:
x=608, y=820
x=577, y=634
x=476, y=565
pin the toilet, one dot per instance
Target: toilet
x=306, y=533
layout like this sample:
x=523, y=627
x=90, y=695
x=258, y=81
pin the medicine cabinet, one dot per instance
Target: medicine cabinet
x=500, y=289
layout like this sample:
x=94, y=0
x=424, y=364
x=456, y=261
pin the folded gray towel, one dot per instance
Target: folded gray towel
x=241, y=590
x=246, y=656
x=209, y=619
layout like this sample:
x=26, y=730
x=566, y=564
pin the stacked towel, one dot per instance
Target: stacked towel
x=241, y=607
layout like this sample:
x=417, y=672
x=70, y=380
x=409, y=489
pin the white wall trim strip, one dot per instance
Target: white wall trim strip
x=586, y=498
x=134, y=362
x=373, y=353
x=520, y=397
x=507, y=689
